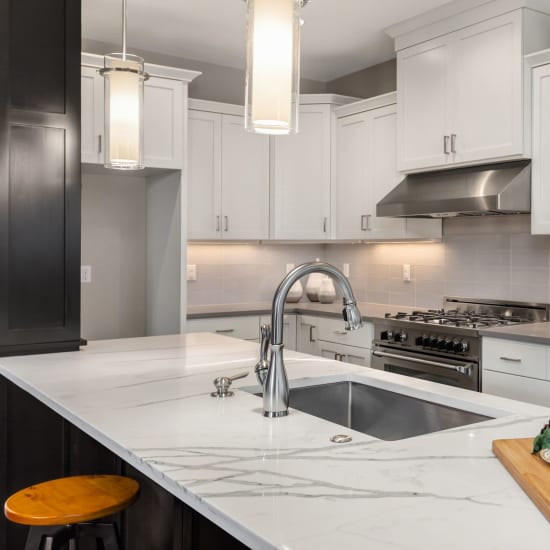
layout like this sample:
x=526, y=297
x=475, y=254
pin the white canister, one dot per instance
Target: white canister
x=295, y=293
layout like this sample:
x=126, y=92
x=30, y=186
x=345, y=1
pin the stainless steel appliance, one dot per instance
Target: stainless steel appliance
x=444, y=345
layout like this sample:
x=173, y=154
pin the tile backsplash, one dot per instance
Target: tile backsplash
x=489, y=257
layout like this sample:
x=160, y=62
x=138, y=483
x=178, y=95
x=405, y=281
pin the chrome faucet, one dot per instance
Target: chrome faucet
x=276, y=382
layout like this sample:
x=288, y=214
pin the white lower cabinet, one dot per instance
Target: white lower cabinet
x=289, y=329
x=326, y=337
x=516, y=370
x=244, y=327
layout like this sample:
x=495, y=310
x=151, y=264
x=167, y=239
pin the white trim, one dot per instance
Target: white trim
x=366, y=104
x=455, y=16
x=216, y=107
x=324, y=99
x=160, y=71
x=536, y=59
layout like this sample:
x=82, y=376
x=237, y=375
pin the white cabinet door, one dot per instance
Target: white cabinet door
x=487, y=90
x=306, y=340
x=540, y=182
x=162, y=123
x=92, y=116
x=423, y=83
x=345, y=354
x=351, y=195
x=289, y=329
x=529, y=390
x=382, y=172
x=245, y=181
x=244, y=327
x=302, y=178
x=204, y=176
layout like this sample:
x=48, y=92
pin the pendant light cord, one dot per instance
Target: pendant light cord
x=124, y=11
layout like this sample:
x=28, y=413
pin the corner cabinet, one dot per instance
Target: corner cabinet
x=164, y=103
x=461, y=95
x=228, y=179
x=540, y=174
x=366, y=170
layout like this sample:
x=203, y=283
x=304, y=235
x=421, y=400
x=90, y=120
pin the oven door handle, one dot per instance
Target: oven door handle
x=462, y=369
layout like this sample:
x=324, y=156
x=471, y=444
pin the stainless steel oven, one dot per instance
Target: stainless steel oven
x=433, y=367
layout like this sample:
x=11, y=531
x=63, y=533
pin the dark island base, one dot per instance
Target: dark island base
x=36, y=444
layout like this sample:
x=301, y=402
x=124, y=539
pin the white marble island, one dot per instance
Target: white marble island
x=280, y=483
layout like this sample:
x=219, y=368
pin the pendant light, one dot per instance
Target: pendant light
x=124, y=76
x=273, y=66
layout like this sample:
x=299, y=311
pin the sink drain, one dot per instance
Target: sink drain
x=341, y=438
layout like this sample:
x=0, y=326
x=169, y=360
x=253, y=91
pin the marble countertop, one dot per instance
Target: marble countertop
x=280, y=483
x=537, y=333
x=369, y=311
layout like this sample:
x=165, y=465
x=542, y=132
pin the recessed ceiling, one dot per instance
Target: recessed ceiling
x=339, y=36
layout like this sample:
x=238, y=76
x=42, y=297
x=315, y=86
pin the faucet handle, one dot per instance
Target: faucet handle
x=263, y=364
x=223, y=383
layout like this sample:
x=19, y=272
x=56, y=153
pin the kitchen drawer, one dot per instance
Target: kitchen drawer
x=513, y=357
x=345, y=354
x=246, y=327
x=333, y=330
x=520, y=388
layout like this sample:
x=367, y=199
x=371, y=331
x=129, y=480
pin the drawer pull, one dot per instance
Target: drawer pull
x=225, y=331
x=341, y=332
x=511, y=359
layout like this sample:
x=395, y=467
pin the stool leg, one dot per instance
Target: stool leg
x=34, y=539
x=106, y=535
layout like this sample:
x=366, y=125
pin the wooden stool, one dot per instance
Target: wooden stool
x=58, y=511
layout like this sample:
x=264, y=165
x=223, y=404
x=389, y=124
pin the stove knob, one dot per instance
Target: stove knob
x=419, y=341
x=464, y=346
x=434, y=342
x=400, y=336
x=386, y=335
x=442, y=343
x=426, y=341
x=450, y=345
x=460, y=346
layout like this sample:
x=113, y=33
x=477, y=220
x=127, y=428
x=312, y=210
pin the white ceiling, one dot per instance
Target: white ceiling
x=338, y=38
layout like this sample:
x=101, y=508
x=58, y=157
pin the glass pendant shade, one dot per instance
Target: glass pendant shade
x=124, y=76
x=273, y=66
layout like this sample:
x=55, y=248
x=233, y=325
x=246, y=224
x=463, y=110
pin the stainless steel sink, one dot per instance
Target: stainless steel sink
x=383, y=414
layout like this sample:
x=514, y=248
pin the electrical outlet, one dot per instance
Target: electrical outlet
x=85, y=273
x=345, y=270
x=407, y=273
x=289, y=267
x=191, y=272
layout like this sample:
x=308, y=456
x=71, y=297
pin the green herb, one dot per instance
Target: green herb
x=542, y=441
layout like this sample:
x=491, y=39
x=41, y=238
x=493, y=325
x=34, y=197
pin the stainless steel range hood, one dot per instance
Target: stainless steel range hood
x=476, y=191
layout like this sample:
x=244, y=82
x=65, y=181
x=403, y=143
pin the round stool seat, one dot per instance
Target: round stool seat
x=71, y=500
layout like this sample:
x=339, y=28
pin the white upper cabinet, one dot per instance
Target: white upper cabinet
x=540, y=179
x=461, y=95
x=162, y=123
x=92, y=116
x=163, y=114
x=423, y=84
x=301, y=178
x=228, y=177
x=366, y=171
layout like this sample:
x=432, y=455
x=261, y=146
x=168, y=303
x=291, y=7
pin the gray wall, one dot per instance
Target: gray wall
x=114, y=244
x=217, y=83
x=370, y=82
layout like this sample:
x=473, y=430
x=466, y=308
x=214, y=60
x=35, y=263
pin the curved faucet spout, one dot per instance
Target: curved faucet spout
x=276, y=384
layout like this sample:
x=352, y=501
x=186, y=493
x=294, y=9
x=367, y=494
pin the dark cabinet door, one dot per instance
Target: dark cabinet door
x=39, y=175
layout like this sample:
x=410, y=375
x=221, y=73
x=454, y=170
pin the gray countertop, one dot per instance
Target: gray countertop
x=537, y=333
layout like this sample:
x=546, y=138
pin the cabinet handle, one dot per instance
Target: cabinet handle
x=446, y=140
x=217, y=223
x=225, y=331
x=453, y=143
x=99, y=143
x=511, y=359
x=364, y=222
x=369, y=216
x=311, y=327
x=341, y=332
x=325, y=221
x=226, y=223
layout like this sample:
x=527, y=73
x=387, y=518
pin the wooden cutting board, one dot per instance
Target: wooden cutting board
x=530, y=471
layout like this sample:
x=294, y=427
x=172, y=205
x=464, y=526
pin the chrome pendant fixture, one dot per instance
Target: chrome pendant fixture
x=124, y=76
x=273, y=66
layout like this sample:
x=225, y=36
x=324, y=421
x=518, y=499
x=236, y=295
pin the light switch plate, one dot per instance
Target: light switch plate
x=345, y=270
x=191, y=272
x=407, y=273
x=289, y=267
x=85, y=274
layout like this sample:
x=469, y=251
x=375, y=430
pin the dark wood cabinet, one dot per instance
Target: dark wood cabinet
x=39, y=175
